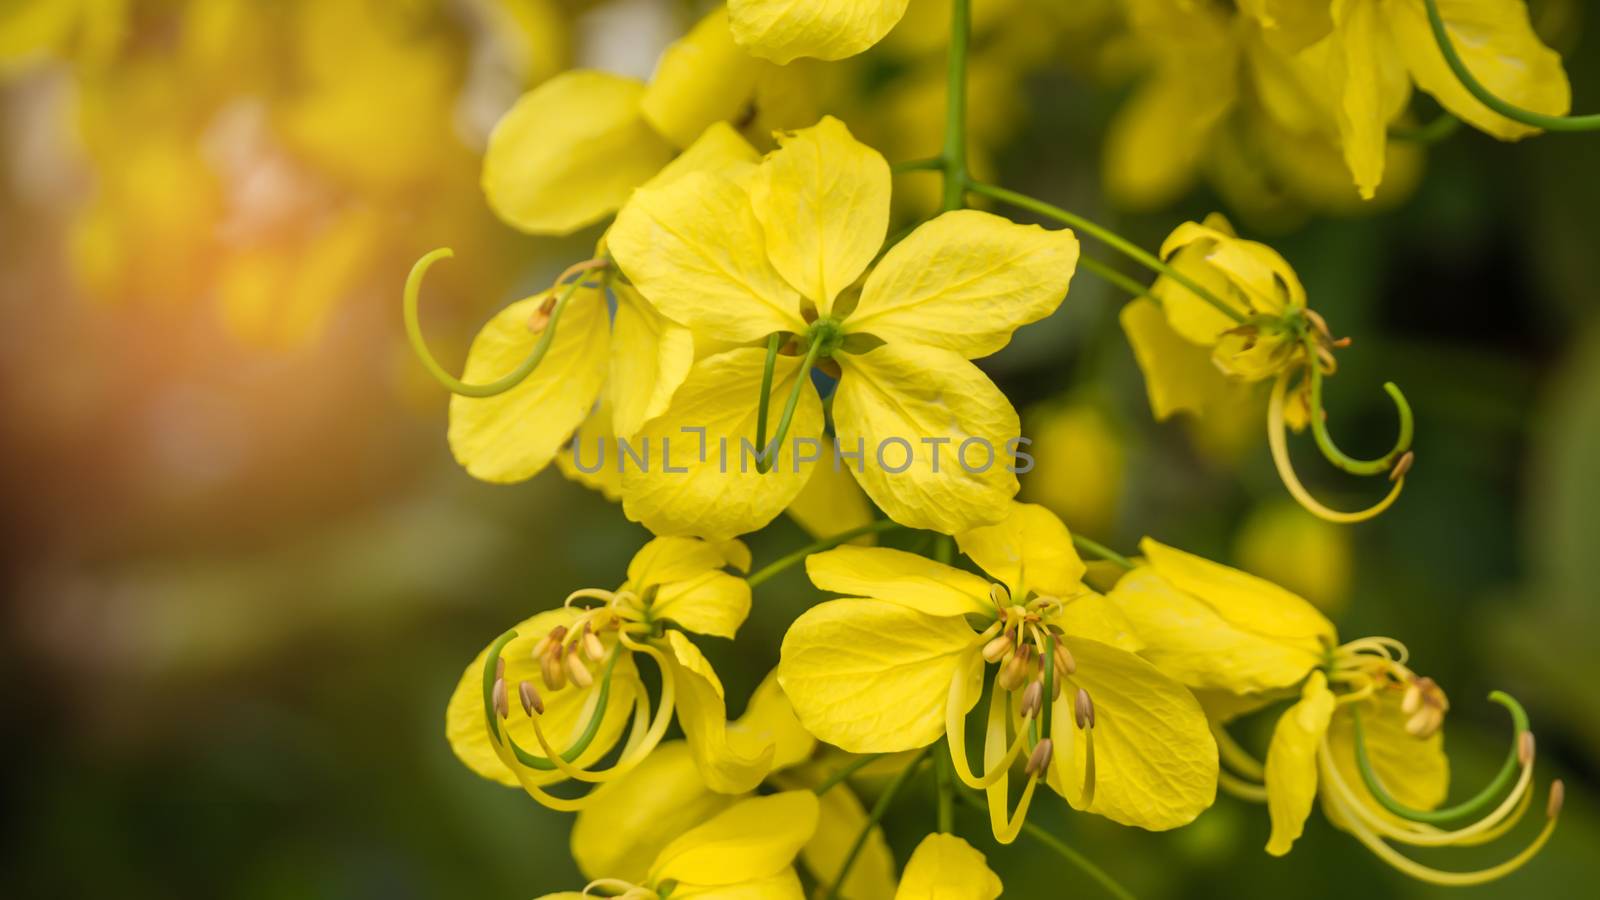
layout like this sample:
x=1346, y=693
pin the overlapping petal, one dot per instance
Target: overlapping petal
x=752, y=840
x=1292, y=762
x=730, y=762
x=896, y=576
x=638, y=815
x=1030, y=551
x=945, y=867
x=650, y=358
x=701, y=79
x=783, y=30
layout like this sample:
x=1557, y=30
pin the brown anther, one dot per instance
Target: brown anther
x=1341, y=343
x=1039, y=759
x=1402, y=465
x=996, y=649
x=1558, y=796
x=1032, y=699
x=540, y=320
x=531, y=701
x=502, y=707
x=1065, y=663
x=1525, y=748
x=577, y=671
x=555, y=677
x=1083, y=710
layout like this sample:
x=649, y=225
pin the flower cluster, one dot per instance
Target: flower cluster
x=745, y=305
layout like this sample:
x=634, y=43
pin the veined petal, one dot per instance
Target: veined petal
x=896, y=576
x=1178, y=374
x=668, y=559
x=1244, y=600
x=823, y=201
x=650, y=357
x=945, y=867
x=782, y=30
x=702, y=78
x=964, y=282
x=695, y=249
x=731, y=763
x=1155, y=758
x=917, y=407
x=1497, y=42
x=1414, y=770
x=635, y=817
x=513, y=436
x=770, y=717
x=721, y=495
x=713, y=603
x=832, y=501
x=569, y=153
x=1292, y=762
x=563, y=719
x=874, y=677
x=751, y=840
x=1029, y=551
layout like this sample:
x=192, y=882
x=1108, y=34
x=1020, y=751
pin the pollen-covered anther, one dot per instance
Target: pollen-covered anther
x=1525, y=748
x=577, y=671
x=1558, y=796
x=550, y=668
x=1083, y=710
x=531, y=701
x=1015, y=670
x=592, y=646
x=996, y=649
x=502, y=706
x=1039, y=759
x=1065, y=663
x=1402, y=465
x=1032, y=699
x=1425, y=704
x=540, y=320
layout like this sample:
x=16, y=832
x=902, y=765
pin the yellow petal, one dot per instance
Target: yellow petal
x=721, y=495
x=1158, y=138
x=731, y=763
x=1373, y=86
x=770, y=717
x=718, y=149
x=1178, y=375
x=1241, y=598
x=635, y=817
x=783, y=886
x=590, y=458
x=823, y=199
x=965, y=281
x=669, y=559
x=832, y=501
x=695, y=249
x=569, y=153
x=1290, y=24
x=512, y=436
x=874, y=677
x=1497, y=42
x=1030, y=551
x=1093, y=616
x=840, y=820
x=713, y=603
x=1414, y=770
x=563, y=718
x=650, y=357
x=781, y=30
x=702, y=78
x=896, y=576
x=1292, y=762
x=945, y=867
x=751, y=840
x=1155, y=759
x=911, y=410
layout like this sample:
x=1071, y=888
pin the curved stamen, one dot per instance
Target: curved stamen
x=1006, y=828
x=1469, y=807
x=604, y=596
x=1238, y=787
x=1277, y=440
x=419, y=344
x=586, y=738
x=1236, y=756
x=1477, y=89
x=1331, y=451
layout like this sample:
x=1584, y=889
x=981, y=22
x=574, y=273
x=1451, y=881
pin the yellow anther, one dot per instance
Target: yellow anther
x=996, y=650
x=577, y=671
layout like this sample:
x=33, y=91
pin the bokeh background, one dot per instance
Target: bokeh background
x=241, y=572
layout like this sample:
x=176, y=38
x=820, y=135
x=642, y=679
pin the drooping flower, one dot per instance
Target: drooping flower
x=572, y=672
x=772, y=254
x=901, y=663
x=747, y=850
x=1365, y=734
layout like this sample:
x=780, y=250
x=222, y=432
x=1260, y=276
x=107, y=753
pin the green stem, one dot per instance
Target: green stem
x=1049, y=683
x=1432, y=133
x=1113, y=277
x=1109, y=238
x=954, y=157
x=1101, y=550
x=828, y=543
x=1487, y=98
x=765, y=403
x=930, y=164
x=878, y=810
x=1062, y=850
x=769, y=452
x=590, y=730
x=944, y=783
x=1470, y=807
x=1319, y=427
x=845, y=772
x=419, y=345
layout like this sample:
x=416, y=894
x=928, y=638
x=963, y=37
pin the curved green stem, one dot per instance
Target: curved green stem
x=844, y=772
x=765, y=403
x=1319, y=429
x=1472, y=806
x=590, y=730
x=876, y=816
x=1109, y=238
x=1049, y=683
x=1476, y=88
x=1061, y=849
x=828, y=543
x=932, y=163
x=1432, y=133
x=419, y=345
x=1112, y=276
x=769, y=452
x=1101, y=550
x=954, y=157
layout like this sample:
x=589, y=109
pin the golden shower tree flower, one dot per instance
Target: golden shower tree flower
x=901, y=662
x=945, y=867
x=745, y=851
x=1230, y=312
x=783, y=30
x=1365, y=734
x=774, y=253
x=572, y=673
x=572, y=150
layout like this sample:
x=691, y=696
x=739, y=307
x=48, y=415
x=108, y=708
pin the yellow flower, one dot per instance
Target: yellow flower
x=637, y=815
x=901, y=664
x=945, y=867
x=782, y=30
x=745, y=851
x=572, y=150
x=1365, y=733
x=571, y=670
x=777, y=250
